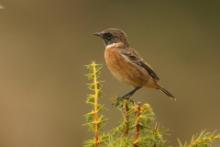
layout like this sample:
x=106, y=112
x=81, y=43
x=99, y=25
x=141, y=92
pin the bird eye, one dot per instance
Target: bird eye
x=108, y=36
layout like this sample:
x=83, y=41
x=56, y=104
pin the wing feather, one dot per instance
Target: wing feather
x=132, y=56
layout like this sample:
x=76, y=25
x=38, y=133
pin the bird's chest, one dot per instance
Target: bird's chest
x=118, y=65
x=113, y=59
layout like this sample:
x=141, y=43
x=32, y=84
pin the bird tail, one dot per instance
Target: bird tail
x=166, y=92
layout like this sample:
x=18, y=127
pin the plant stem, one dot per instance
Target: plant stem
x=96, y=116
x=137, y=125
x=126, y=116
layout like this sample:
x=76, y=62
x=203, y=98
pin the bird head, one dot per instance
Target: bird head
x=113, y=35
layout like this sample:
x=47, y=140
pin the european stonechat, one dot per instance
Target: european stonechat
x=125, y=63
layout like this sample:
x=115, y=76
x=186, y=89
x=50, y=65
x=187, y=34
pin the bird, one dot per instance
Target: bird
x=125, y=63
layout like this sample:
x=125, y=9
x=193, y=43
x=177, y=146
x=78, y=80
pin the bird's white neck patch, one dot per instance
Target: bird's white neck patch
x=113, y=45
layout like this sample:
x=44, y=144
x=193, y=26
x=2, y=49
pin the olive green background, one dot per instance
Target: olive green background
x=44, y=45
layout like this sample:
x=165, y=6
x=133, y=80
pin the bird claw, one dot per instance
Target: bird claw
x=119, y=100
x=125, y=97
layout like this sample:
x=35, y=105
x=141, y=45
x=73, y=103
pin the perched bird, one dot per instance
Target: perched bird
x=125, y=63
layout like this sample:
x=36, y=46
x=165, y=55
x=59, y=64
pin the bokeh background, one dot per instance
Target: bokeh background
x=44, y=45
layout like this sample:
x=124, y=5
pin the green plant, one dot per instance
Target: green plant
x=138, y=127
x=94, y=118
x=204, y=139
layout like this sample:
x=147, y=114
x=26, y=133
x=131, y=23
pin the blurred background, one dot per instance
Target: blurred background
x=44, y=45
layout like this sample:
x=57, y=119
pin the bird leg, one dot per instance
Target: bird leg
x=130, y=93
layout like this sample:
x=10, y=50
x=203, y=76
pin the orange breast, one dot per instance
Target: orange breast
x=124, y=70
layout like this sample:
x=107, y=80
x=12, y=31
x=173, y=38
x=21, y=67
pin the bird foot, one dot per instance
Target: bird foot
x=125, y=97
x=120, y=100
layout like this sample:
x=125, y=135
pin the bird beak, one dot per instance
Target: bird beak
x=99, y=34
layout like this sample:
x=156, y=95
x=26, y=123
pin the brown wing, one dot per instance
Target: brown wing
x=133, y=57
